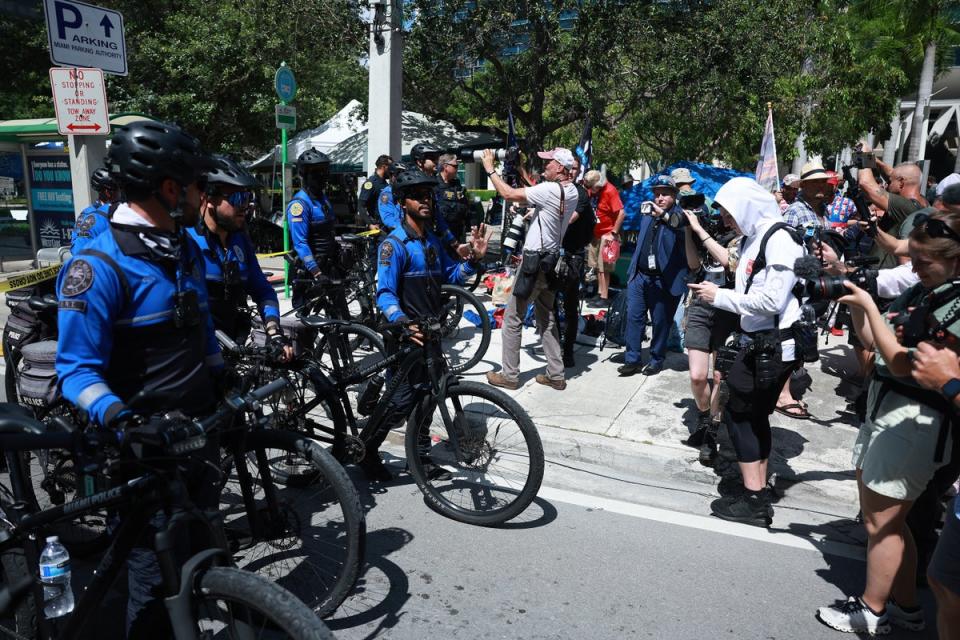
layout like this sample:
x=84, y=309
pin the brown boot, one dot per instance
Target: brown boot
x=497, y=379
x=559, y=385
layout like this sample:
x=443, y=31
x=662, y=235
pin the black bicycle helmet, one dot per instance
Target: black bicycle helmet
x=422, y=149
x=227, y=171
x=397, y=168
x=311, y=158
x=412, y=178
x=101, y=180
x=145, y=153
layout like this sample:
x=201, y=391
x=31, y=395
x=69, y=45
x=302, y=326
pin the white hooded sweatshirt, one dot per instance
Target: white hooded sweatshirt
x=755, y=211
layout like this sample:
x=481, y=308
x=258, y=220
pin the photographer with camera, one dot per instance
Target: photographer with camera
x=899, y=199
x=554, y=200
x=661, y=264
x=707, y=328
x=902, y=442
x=764, y=353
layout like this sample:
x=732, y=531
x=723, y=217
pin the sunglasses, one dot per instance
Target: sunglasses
x=420, y=195
x=936, y=228
x=236, y=199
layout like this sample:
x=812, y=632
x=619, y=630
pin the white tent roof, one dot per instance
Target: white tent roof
x=351, y=154
x=341, y=126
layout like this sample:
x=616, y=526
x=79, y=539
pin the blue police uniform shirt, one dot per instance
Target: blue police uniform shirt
x=391, y=216
x=91, y=222
x=311, y=223
x=116, y=330
x=410, y=271
x=239, y=251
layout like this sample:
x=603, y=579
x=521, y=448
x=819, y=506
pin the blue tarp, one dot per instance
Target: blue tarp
x=709, y=179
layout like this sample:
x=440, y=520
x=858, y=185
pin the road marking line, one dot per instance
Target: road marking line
x=705, y=523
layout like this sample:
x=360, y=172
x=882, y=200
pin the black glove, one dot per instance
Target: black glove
x=276, y=342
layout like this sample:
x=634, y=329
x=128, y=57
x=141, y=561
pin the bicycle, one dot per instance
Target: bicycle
x=202, y=596
x=486, y=445
x=287, y=503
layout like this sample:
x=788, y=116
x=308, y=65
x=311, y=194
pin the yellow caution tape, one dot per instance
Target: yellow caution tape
x=271, y=255
x=30, y=278
x=372, y=232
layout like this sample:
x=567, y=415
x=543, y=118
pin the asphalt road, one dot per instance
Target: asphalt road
x=579, y=565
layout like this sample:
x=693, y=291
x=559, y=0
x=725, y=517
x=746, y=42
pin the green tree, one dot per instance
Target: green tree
x=209, y=65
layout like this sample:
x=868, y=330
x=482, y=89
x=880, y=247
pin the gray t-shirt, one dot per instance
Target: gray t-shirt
x=549, y=223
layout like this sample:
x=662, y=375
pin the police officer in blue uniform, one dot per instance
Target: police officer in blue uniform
x=133, y=313
x=369, y=197
x=312, y=227
x=391, y=214
x=232, y=269
x=95, y=219
x=412, y=266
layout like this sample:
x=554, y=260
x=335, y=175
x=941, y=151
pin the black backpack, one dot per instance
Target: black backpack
x=615, y=330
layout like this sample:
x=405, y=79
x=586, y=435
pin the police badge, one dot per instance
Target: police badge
x=79, y=278
x=386, y=252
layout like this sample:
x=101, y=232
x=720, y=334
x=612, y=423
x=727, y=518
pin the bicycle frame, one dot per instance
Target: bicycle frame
x=145, y=495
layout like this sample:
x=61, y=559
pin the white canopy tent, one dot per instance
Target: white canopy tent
x=342, y=125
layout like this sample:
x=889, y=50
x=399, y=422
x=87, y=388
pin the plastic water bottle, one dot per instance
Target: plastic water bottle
x=55, y=576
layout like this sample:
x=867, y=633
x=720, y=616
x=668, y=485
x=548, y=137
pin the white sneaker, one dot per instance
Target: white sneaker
x=853, y=616
x=912, y=620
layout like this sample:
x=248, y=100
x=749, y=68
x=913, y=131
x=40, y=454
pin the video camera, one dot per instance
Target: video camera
x=863, y=160
x=692, y=200
x=674, y=219
x=476, y=155
x=821, y=286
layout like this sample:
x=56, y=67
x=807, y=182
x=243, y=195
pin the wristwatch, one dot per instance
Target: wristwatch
x=951, y=389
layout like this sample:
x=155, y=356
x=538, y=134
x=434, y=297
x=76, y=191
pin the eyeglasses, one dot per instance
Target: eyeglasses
x=240, y=198
x=935, y=227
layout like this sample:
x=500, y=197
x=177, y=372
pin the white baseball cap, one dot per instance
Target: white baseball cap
x=560, y=154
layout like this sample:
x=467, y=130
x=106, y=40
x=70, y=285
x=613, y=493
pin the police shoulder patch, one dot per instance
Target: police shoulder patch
x=368, y=185
x=296, y=209
x=386, y=252
x=79, y=278
x=86, y=223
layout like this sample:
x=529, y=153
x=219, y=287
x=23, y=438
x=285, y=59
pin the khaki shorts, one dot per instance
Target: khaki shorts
x=895, y=452
x=594, y=261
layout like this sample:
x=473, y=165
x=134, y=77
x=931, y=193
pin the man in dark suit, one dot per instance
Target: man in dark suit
x=657, y=278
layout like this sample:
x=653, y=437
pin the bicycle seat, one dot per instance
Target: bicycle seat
x=42, y=303
x=17, y=419
x=319, y=322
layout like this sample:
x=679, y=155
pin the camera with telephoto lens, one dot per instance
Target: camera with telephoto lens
x=515, y=232
x=692, y=200
x=820, y=286
x=727, y=355
x=476, y=155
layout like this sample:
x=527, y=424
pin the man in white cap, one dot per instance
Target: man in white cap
x=789, y=187
x=815, y=193
x=554, y=200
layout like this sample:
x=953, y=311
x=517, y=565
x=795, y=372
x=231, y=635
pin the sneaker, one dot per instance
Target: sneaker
x=619, y=357
x=497, y=379
x=374, y=468
x=559, y=385
x=631, y=369
x=911, y=619
x=853, y=616
x=436, y=473
x=652, y=368
x=743, y=508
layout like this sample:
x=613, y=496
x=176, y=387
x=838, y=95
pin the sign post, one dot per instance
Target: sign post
x=286, y=87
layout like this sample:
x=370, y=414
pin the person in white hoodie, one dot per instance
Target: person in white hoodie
x=763, y=298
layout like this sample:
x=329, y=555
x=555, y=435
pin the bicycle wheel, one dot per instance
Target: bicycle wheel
x=230, y=603
x=493, y=472
x=466, y=328
x=22, y=619
x=358, y=346
x=308, y=535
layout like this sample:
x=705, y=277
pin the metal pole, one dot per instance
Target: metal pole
x=27, y=182
x=283, y=208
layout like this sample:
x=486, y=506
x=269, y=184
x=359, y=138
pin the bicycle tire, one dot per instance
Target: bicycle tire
x=261, y=604
x=24, y=613
x=333, y=549
x=461, y=345
x=427, y=443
